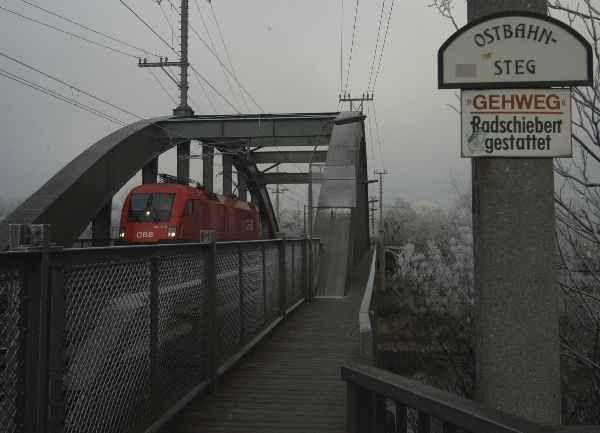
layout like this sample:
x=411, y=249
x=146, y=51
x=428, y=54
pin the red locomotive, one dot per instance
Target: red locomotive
x=169, y=212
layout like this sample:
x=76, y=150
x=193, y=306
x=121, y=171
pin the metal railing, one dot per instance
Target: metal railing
x=366, y=317
x=117, y=339
x=379, y=402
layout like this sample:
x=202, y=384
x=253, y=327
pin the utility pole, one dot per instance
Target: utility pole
x=372, y=209
x=514, y=237
x=366, y=97
x=183, y=110
x=381, y=173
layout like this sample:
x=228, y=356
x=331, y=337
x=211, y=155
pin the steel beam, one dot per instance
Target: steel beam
x=101, y=226
x=288, y=157
x=273, y=130
x=150, y=171
x=208, y=161
x=183, y=162
x=242, y=186
x=227, y=174
x=285, y=178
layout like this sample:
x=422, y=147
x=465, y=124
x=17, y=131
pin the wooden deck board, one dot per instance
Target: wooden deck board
x=290, y=382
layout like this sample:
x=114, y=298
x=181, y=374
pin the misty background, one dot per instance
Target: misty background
x=286, y=54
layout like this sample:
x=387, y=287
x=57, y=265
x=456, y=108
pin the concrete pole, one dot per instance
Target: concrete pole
x=208, y=160
x=150, y=172
x=227, y=173
x=517, y=342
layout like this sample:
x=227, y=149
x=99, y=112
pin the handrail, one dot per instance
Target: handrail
x=365, y=313
x=365, y=306
x=370, y=389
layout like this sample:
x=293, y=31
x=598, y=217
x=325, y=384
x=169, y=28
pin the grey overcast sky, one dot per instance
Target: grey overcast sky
x=286, y=53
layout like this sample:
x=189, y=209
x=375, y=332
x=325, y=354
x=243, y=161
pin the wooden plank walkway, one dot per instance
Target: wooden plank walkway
x=291, y=381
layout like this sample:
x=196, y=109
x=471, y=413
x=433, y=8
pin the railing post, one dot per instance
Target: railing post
x=305, y=287
x=379, y=413
x=282, y=279
x=264, y=281
x=423, y=422
x=211, y=314
x=241, y=286
x=56, y=341
x=154, y=311
x=351, y=408
x=293, y=269
x=36, y=378
x=310, y=268
x=401, y=418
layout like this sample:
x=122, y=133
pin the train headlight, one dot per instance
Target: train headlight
x=172, y=232
x=122, y=233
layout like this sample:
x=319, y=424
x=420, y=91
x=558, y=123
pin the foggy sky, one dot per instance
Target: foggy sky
x=286, y=53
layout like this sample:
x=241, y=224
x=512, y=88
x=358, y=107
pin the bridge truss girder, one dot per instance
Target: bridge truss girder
x=84, y=187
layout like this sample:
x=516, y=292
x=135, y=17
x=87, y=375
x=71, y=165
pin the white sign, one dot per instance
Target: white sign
x=516, y=123
x=515, y=50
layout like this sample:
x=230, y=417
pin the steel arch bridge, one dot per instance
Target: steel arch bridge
x=83, y=190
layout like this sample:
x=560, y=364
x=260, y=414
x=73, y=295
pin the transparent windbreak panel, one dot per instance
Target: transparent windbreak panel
x=150, y=207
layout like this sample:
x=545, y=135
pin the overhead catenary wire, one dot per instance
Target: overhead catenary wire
x=377, y=130
x=169, y=24
x=214, y=89
x=135, y=14
x=69, y=85
x=376, y=44
x=351, y=49
x=227, y=54
x=233, y=94
x=206, y=94
x=66, y=32
x=387, y=27
x=171, y=97
x=60, y=97
x=225, y=68
x=342, y=49
x=98, y=32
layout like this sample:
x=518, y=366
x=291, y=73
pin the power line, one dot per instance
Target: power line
x=213, y=52
x=162, y=86
x=69, y=20
x=71, y=86
x=60, y=97
x=148, y=26
x=195, y=32
x=169, y=24
x=220, y=31
x=210, y=101
x=195, y=71
x=378, y=136
x=383, y=46
x=376, y=44
x=351, y=48
x=98, y=44
x=342, y=49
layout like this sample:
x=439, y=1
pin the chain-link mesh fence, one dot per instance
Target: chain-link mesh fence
x=253, y=316
x=12, y=372
x=107, y=345
x=182, y=331
x=134, y=329
x=272, y=283
x=228, y=301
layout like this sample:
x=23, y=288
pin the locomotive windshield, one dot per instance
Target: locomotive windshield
x=150, y=207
